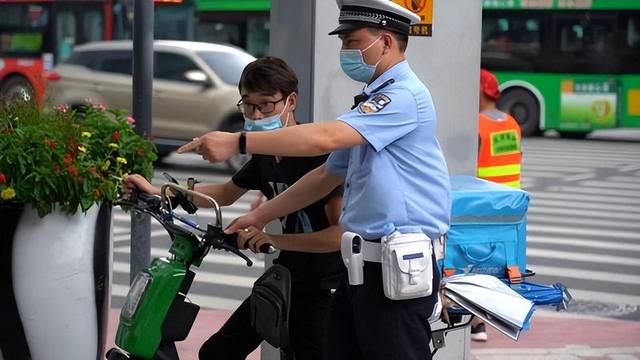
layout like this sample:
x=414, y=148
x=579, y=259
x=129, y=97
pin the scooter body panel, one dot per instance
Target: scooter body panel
x=141, y=334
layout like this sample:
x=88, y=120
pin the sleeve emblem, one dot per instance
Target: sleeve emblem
x=376, y=103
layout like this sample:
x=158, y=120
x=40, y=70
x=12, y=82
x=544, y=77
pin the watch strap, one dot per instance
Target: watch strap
x=242, y=142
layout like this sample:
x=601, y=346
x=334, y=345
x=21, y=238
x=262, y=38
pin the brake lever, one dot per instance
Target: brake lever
x=218, y=239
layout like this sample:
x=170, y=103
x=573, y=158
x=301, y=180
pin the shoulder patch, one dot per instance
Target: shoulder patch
x=375, y=103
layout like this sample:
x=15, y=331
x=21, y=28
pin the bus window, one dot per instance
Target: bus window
x=633, y=32
x=21, y=30
x=65, y=34
x=585, y=36
x=24, y=16
x=511, y=42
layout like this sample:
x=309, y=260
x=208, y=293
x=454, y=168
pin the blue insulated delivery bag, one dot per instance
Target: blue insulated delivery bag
x=488, y=229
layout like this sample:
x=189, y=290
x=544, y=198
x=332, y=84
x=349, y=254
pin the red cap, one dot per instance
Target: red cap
x=489, y=84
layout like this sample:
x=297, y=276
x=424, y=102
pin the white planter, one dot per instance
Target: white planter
x=61, y=282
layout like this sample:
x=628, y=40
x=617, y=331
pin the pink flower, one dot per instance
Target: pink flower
x=115, y=136
x=131, y=120
x=101, y=107
x=63, y=108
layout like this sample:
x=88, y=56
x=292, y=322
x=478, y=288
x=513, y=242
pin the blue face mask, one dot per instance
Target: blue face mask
x=353, y=64
x=272, y=122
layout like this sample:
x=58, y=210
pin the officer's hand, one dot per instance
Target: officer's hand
x=244, y=222
x=215, y=146
x=252, y=238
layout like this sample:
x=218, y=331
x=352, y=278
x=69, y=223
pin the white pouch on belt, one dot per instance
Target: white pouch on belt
x=407, y=270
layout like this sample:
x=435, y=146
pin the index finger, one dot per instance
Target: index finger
x=233, y=227
x=190, y=146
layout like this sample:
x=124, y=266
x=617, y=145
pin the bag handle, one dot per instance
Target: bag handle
x=470, y=258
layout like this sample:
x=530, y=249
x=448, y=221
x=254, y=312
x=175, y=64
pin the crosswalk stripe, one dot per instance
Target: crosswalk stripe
x=583, y=213
x=587, y=205
x=544, y=168
x=597, y=191
x=587, y=274
x=579, y=177
x=591, y=150
x=204, y=301
x=559, y=164
x=583, y=198
x=605, y=297
x=631, y=179
x=594, y=244
x=202, y=276
x=612, y=184
x=585, y=257
x=545, y=174
x=153, y=234
x=117, y=230
x=573, y=231
x=214, y=257
x=580, y=221
x=632, y=167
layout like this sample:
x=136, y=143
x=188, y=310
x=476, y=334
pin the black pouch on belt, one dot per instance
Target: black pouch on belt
x=270, y=299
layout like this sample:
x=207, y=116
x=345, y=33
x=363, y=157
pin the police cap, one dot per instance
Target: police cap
x=383, y=14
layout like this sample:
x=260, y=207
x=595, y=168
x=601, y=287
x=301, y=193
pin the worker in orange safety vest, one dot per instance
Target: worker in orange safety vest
x=499, y=136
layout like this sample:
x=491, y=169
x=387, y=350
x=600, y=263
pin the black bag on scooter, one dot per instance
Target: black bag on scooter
x=269, y=302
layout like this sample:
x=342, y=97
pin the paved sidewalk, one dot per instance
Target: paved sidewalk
x=207, y=323
x=561, y=336
x=553, y=336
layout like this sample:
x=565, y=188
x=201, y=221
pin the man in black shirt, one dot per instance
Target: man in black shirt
x=311, y=237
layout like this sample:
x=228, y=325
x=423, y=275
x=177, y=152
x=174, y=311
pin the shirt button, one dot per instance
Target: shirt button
x=346, y=185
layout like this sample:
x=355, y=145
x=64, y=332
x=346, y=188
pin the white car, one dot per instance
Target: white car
x=195, y=87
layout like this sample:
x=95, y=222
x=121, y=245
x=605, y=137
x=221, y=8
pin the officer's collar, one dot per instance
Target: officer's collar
x=391, y=73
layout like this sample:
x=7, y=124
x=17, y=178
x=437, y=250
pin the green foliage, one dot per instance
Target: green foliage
x=68, y=159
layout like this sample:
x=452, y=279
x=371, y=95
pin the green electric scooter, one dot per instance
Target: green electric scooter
x=156, y=312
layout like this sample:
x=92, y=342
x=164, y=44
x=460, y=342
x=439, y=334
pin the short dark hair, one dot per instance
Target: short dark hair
x=402, y=39
x=268, y=75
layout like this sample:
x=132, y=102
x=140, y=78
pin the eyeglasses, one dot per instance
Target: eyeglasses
x=265, y=107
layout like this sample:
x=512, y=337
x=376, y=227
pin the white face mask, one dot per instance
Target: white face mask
x=268, y=123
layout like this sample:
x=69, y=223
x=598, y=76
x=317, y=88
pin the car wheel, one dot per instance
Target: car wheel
x=234, y=124
x=574, y=134
x=16, y=88
x=524, y=107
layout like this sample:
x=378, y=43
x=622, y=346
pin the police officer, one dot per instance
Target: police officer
x=386, y=153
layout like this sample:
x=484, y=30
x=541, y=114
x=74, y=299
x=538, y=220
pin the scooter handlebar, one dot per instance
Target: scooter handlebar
x=232, y=240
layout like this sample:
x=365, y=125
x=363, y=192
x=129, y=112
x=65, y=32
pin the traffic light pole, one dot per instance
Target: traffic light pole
x=142, y=98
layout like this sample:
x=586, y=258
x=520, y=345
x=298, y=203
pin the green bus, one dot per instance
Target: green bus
x=242, y=23
x=568, y=65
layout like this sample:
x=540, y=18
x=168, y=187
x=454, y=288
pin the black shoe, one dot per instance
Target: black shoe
x=478, y=333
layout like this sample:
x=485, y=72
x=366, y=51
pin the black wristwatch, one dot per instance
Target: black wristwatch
x=242, y=142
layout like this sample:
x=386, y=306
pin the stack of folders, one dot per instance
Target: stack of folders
x=491, y=300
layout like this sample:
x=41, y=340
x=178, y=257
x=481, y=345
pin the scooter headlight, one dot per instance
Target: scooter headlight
x=136, y=294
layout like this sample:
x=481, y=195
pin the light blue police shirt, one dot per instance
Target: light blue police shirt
x=399, y=180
